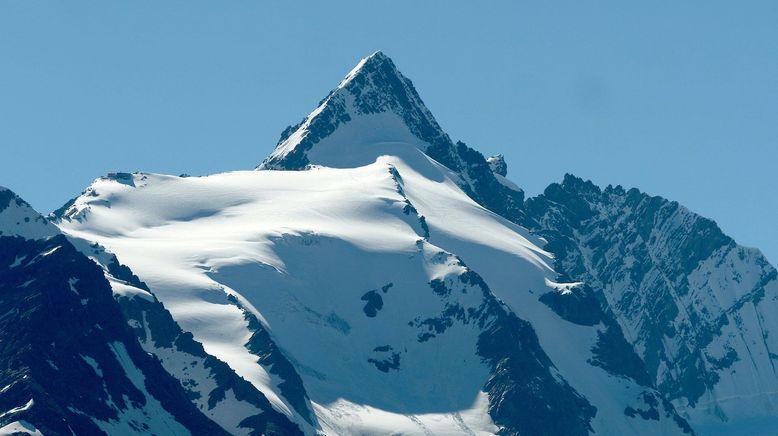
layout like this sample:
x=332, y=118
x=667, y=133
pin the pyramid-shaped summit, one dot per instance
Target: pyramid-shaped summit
x=376, y=111
x=377, y=103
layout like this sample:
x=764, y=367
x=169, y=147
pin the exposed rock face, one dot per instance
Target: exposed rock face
x=497, y=164
x=68, y=360
x=698, y=308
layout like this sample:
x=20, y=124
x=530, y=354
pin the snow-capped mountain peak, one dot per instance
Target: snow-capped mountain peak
x=376, y=111
x=374, y=104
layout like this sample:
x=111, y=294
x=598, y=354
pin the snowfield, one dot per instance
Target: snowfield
x=301, y=255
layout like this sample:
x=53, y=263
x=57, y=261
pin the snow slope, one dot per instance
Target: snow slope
x=250, y=251
x=304, y=249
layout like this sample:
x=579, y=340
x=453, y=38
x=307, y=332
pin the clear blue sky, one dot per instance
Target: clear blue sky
x=677, y=98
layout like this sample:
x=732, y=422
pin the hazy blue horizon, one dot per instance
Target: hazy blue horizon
x=677, y=100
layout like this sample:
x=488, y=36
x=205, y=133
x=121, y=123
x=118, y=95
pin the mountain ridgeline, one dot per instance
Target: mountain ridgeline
x=373, y=276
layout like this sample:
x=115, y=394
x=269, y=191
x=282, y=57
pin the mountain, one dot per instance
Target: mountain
x=373, y=276
x=70, y=360
x=374, y=255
